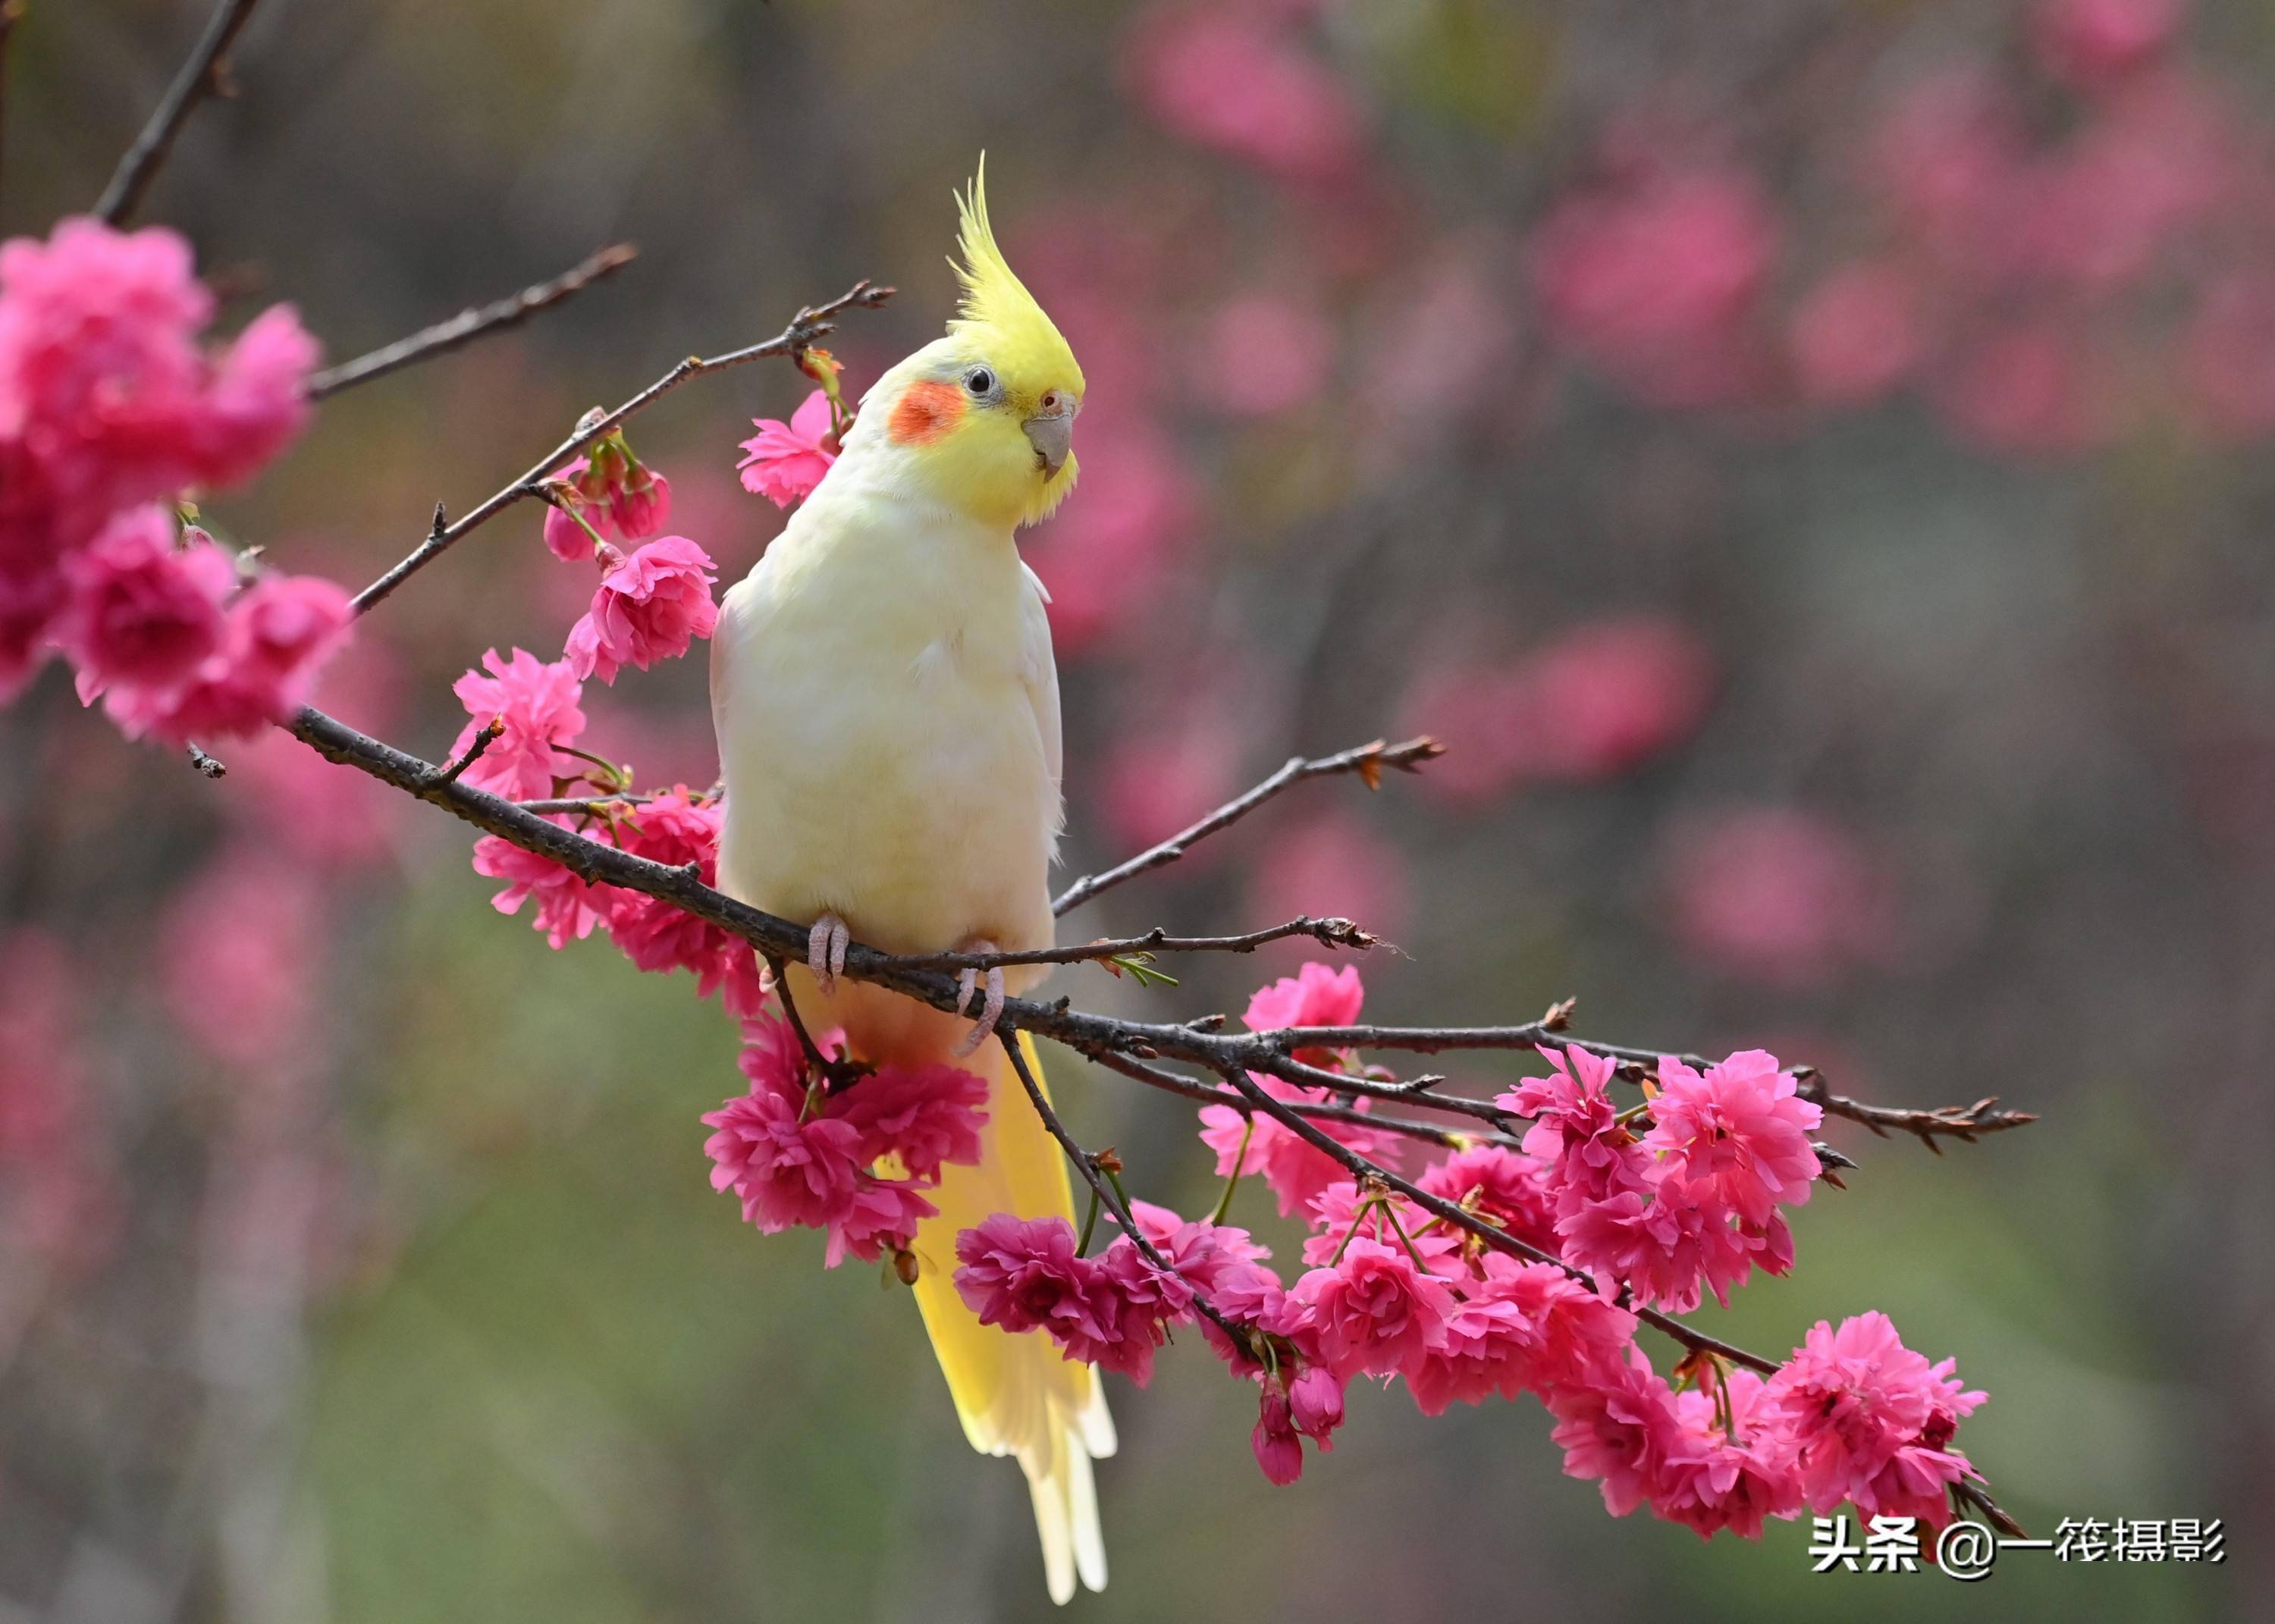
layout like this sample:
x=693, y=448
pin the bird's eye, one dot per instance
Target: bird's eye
x=980, y=381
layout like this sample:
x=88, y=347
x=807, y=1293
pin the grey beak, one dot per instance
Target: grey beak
x=1052, y=435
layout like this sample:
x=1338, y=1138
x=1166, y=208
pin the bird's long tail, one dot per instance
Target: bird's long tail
x=1016, y=1394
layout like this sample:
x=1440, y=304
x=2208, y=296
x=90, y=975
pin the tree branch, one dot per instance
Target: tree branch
x=1330, y=933
x=1118, y=1043
x=808, y=325
x=472, y=323
x=200, y=77
x=1367, y=761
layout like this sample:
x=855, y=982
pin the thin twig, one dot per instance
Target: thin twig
x=1330, y=933
x=472, y=323
x=808, y=325
x=487, y=735
x=200, y=75
x=205, y=763
x=1961, y=1122
x=1367, y=761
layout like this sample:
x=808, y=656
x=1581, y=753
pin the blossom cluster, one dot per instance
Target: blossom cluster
x=111, y=410
x=525, y=719
x=1611, y=1210
x=800, y=1154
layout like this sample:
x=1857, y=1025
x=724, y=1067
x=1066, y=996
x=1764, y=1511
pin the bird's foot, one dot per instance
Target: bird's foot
x=968, y=982
x=825, y=950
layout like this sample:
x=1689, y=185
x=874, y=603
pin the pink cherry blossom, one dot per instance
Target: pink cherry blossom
x=611, y=491
x=30, y=597
x=1731, y=1479
x=675, y=828
x=1865, y=1419
x=926, y=1116
x=2024, y=391
x=106, y=397
x=1139, y=1301
x=789, y=1169
x=1236, y=82
x=1315, y=995
x=1856, y=335
x=1341, y=1209
x=256, y=400
x=1315, y=1404
x=1781, y=895
x=1576, y=1130
x=1297, y=1171
x=539, y=704
x=650, y=606
x=241, y=951
x=143, y=611
x=1670, y=1247
x=1608, y=695
x=1505, y=1187
x=1025, y=1275
x=2091, y=41
x=787, y=460
x=882, y=1217
x=567, y=907
x=1737, y=1133
x=278, y=635
x=1279, y=1448
x=1622, y=1427
x=1207, y=1254
x=1656, y=279
x=1375, y=1312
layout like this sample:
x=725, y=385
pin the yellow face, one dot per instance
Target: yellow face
x=995, y=439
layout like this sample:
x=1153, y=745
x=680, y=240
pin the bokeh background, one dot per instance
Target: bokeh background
x=1809, y=460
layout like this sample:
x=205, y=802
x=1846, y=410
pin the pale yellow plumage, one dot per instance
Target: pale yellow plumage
x=887, y=706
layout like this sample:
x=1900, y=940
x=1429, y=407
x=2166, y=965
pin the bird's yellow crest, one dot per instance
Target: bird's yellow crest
x=982, y=418
x=998, y=313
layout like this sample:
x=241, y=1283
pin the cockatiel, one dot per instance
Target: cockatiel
x=887, y=711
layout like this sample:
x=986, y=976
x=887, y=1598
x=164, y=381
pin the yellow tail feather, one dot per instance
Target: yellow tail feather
x=1015, y=1393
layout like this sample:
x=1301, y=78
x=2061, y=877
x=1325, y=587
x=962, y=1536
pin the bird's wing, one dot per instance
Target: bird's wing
x=1040, y=672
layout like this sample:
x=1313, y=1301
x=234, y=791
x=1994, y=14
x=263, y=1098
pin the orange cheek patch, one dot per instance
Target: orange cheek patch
x=925, y=413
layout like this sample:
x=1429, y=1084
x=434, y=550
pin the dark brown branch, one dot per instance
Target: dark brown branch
x=808, y=325
x=203, y=74
x=1367, y=761
x=1330, y=933
x=472, y=323
x=487, y=735
x=1229, y=1055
